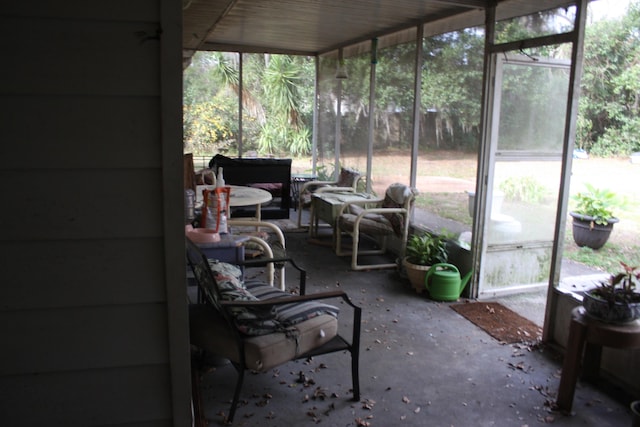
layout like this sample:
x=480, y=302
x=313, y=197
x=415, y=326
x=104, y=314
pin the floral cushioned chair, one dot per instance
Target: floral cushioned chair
x=376, y=217
x=347, y=181
x=259, y=327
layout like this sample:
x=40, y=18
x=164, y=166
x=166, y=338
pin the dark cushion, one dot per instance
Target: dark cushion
x=380, y=226
x=347, y=177
x=274, y=188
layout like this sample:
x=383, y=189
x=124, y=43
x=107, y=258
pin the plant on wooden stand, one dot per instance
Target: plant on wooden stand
x=615, y=300
x=422, y=251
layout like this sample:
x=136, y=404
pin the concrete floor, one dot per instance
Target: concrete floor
x=421, y=364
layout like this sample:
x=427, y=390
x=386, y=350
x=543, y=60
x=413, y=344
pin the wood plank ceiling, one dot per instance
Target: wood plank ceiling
x=311, y=27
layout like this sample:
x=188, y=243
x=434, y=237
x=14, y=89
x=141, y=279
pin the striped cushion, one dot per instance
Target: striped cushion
x=290, y=314
x=249, y=321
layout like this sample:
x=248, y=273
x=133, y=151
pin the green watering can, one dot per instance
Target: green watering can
x=444, y=283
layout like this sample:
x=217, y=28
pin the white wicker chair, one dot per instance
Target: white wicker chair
x=379, y=218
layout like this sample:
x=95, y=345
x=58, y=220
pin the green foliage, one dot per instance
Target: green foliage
x=609, y=109
x=278, y=93
x=278, y=83
x=209, y=118
x=620, y=141
x=523, y=189
x=275, y=96
x=597, y=203
x=323, y=173
x=427, y=249
x=452, y=86
x=206, y=126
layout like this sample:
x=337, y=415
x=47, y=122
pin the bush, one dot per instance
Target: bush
x=523, y=189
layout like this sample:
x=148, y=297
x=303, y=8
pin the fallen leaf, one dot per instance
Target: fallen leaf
x=368, y=403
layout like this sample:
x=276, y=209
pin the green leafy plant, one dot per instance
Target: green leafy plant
x=427, y=249
x=596, y=203
x=620, y=287
x=523, y=189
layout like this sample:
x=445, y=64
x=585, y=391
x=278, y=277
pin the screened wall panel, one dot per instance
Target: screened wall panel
x=356, y=111
x=449, y=129
x=393, y=116
x=327, y=115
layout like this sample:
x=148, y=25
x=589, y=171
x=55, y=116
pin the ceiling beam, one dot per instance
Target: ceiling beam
x=472, y=4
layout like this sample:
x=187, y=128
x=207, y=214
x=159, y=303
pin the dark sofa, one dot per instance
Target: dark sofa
x=273, y=175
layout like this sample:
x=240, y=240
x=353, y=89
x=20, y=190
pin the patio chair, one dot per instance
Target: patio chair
x=379, y=218
x=265, y=242
x=258, y=327
x=347, y=181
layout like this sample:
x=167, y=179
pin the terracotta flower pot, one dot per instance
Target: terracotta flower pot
x=416, y=274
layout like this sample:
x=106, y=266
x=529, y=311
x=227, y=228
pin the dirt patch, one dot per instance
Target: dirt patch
x=499, y=322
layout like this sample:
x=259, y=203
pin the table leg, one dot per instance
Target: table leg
x=312, y=220
x=591, y=362
x=571, y=365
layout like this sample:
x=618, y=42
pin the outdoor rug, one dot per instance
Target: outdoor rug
x=500, y=322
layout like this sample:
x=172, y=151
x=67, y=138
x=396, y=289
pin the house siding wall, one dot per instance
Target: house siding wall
x=92, y=297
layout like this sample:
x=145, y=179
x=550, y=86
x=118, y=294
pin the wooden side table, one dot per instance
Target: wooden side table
x=589, y=335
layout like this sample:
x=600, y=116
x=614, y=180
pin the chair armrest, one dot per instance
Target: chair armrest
x=292, y=299
x=345, y=206
x=335, y=189
x=383, y=211
x=308, y=184
x=259, y=224
x=302, y=273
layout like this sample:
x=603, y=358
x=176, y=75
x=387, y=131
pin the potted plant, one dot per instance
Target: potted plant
x=422, y=251
x=615, y=300
x=593, y=217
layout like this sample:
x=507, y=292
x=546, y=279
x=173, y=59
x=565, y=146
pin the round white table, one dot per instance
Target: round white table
x=239, y=196
x=248, y=196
